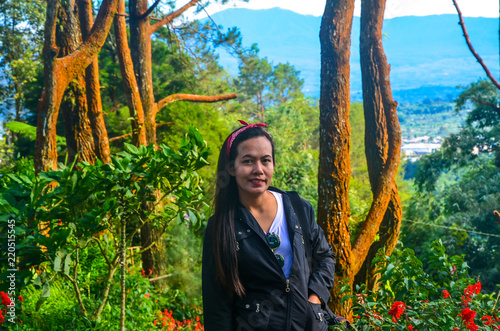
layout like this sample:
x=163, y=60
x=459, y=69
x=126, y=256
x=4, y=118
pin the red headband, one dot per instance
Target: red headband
x=235, y=134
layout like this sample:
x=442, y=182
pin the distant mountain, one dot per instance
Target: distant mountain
x=423, y=51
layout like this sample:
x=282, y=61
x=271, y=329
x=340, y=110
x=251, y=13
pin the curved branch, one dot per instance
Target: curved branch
x=78, y=60
x=194, y=98
x=487, y=104
x=130, y=133
x=473, y=51
x=383, y=194
x=149, y=11
x=170, y=17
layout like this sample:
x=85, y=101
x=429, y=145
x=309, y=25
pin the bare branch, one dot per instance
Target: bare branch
x=149, y=11
x=194, y=98
x=487, y=104
x=130, y=133
x=473, y=51
x=127, y=15
x=170, y=17
x=115, y=107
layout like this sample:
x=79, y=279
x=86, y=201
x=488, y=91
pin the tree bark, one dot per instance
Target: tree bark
x=377, y=96
x=383, y=146
x=193, y=98
x=334, y=162
x=129, y=82
x=58, y=72
x=140, y=37
x=74, y=106
x=94, y=102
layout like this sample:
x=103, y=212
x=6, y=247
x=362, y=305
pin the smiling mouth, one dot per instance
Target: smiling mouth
x=257, y=181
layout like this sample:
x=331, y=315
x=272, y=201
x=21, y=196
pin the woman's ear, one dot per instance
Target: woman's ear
x=230, y=168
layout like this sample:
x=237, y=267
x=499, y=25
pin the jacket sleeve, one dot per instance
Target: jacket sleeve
x=217, y=305
x=321, y=279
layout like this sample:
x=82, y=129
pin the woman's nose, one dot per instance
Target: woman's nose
x=257, y=167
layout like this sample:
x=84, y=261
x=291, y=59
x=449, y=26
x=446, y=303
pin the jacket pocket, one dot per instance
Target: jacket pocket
x=318, y=321
x=251, y=316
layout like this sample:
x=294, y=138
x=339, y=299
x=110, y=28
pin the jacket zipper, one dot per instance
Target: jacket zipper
x=288, y=304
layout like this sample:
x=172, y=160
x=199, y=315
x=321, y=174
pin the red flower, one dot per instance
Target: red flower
x=21, y=298
x=397, y=309
x=490, y=320
x=471, y=290
x=5, y=299
x=2, y=319
x=446, y=294
x=410, y=327
x=468, y=316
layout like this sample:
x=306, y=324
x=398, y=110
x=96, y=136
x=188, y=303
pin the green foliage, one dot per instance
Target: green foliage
x=461, y=214
x=458, y=189
x=67, y=222
x=295, y=129
x=479, y=136
x=410, y=298
x=21, y=35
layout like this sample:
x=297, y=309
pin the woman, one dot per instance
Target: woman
x=255, y=272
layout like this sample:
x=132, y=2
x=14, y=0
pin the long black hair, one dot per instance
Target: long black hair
x=225, y=205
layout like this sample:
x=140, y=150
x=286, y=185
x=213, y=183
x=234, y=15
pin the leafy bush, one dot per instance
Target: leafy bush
x=408, y=298
x=70, y=226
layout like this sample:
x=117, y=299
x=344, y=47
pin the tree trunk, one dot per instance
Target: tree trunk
x=334, y=162
x=94, y=102
x=74, y=106
x=58, y=72
x=383, y=155
x=377, y=96
x=128, y=77
x=140, y=37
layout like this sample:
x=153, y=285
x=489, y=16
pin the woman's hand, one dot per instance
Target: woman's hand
x=314, y=299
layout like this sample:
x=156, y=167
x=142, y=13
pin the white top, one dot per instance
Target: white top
x=279, y=227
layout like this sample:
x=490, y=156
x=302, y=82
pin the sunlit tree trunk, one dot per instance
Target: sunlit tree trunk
x=74, y=106
x=377, y=99
x=140, y=37
x=382, y=151
x=94, y=102
x=334, y=161
x=129, y=82
x=59, y=72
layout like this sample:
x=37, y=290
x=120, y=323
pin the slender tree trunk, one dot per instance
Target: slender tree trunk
x=334, y=162
x=129, y=82
x=94, y=102
x=140, y=37
x=377, y=96
x=123, y=250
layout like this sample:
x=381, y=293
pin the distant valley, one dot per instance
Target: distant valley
x=428, y=54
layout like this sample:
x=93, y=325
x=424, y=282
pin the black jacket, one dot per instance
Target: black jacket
x=271, y=302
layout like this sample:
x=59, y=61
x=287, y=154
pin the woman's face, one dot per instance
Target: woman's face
x=254, y=166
